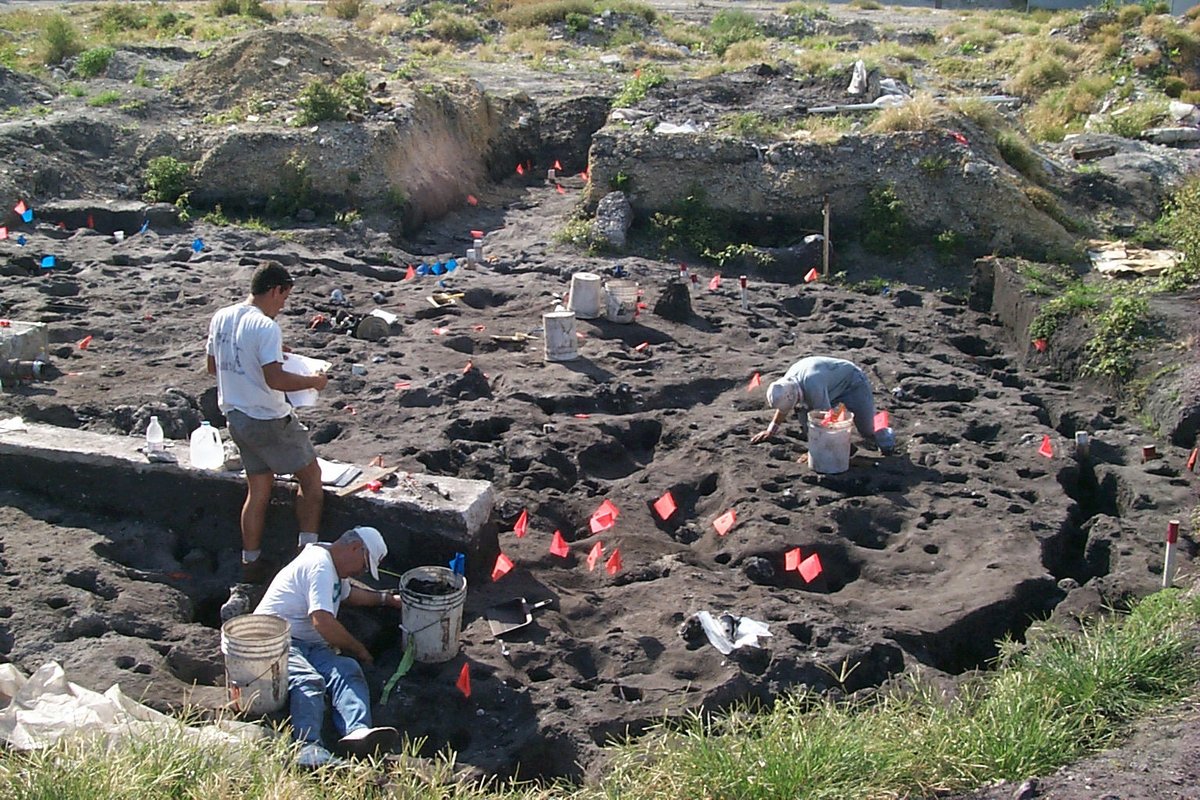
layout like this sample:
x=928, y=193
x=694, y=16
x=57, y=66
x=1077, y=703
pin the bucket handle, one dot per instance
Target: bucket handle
x=273, y=667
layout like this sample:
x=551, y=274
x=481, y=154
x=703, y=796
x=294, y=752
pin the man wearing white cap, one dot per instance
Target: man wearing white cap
x=308, y=593
x=818, y=383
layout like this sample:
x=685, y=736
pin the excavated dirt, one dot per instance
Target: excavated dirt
x=966, y=534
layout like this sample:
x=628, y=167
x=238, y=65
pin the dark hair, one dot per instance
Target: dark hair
x=268, y=276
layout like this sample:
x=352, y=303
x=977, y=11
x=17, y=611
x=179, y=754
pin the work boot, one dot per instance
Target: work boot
x=260, y=570
x=366, y=742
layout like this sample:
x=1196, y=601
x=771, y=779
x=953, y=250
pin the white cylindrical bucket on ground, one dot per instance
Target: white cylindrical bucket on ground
x=560, y=340
x=256, y=656
x=431, y=605
x=586, y=296
x=622, y=300
x=829, y=445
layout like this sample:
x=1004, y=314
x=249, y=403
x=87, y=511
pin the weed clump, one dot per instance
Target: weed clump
x=94, y=62
x=61, y=39
x=884, y=224
x=167, y=179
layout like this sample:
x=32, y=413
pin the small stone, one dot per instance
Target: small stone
x=1027, y=790
x=759, y=570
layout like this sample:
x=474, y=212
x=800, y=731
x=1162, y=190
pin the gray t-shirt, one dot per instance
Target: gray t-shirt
x=822, y=380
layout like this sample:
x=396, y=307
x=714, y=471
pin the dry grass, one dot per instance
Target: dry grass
x=824, y=128
x=920, y=113
x=747, y=52
x=389, y=24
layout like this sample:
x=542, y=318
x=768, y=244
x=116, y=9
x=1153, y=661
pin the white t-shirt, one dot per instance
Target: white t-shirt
x=309, y=583
x=242, y=339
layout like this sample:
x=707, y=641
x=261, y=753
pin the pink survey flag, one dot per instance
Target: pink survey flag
x=643, y=347
x=3, y=232
x=1040, y=345
x=504, y=564
x=477, y=234
x=522, y=526
x=410, y=273
x=558, y=188
x=755, y=382
x=20, y=207
x=604, y=517
x=594, y=555
x=1046, y=449
x=472, y=200
x=463, y=684
x=791, y=560
x=715, y=283
x=557, y=165
x=882, y=421
x=665, y=506
x=810, y=568
x=724, y=522
x=558, y=545
x=613, y=565
x=520, y=170
x=812, y=275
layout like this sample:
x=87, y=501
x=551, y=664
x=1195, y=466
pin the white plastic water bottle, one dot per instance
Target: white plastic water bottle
x=154, y=436
x=207, y=452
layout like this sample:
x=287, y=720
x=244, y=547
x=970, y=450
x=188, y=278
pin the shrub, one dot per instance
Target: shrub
x=93, y=62
x=636, y=88
x=1019, y=155
x=344, y=9
x=921, y=113
x=106, y=98
x=318, y=102
x=455, y=28
x=1131, y=120
x=166, y=179
x=884, y=224
x=120, y=17
x=295, y=187
x=1039, y=75
x=730, y=26
x=61, y=38
x=1117, y=333
x=353, y=88
x=244, y=8
x=225, y=8
x=1181, y=224
x=578, y=23
x=543, y=13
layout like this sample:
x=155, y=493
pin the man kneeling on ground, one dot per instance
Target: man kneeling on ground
x=307, y=593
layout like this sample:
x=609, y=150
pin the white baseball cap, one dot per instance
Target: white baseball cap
x=376, y=547
x=782, y=395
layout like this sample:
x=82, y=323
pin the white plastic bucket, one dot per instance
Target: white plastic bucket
x=256, y=656
x=586, y=296
x=432, y=620
x=829, y=445
x=622, y=300
x=560, y=340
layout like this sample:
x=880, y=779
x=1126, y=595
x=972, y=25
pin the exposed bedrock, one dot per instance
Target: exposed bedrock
x=780, y=186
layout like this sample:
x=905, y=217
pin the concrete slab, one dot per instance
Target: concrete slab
x=425, y=519
x=26, y=341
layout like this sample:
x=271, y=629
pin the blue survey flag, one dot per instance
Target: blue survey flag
x=27, y=215
x=452, y=265
x=145, y=226
x=458, y=564
x=48, y=262
x=21, y=240
x=197, y=245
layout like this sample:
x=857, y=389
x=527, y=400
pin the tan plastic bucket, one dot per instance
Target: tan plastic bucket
x=829, y=445
x=256, y=654
x=622, y=300
x=586, y=296
x=432, y=620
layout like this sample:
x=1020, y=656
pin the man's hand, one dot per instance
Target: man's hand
x=365, y=658
x=761, y=436
x=319, y=381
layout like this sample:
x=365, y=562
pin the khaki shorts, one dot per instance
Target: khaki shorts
x=280, y=446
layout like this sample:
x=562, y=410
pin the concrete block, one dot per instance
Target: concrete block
x=425, y=519
x=26, y=341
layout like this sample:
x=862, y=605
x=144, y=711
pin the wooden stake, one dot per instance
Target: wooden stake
x=1168, y=579
x=825, y=243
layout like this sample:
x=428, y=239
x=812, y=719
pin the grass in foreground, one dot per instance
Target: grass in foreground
x=1049, y=702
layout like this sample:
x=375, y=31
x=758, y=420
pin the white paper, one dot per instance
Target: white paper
x=386, y=316
x=303, y=365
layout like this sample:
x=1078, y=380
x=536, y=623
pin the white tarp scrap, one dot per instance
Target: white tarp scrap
x=37, y=711
x=730, y=632
x=1119, y=259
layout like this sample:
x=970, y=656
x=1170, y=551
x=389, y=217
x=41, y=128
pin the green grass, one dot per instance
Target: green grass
x=1076, y=299
x=1051, y=700
x=1117, y=332
x=109, y=97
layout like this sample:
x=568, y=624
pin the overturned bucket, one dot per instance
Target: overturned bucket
x=431, y=605
x=256, y=655
x=586, y=298
x=560, y=339
x=829, y=443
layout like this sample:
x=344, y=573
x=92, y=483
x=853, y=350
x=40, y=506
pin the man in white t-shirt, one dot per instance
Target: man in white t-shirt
x=308, y=593
x=245, y=353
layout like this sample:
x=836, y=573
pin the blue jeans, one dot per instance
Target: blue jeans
x=861, y=403
x=313, y=670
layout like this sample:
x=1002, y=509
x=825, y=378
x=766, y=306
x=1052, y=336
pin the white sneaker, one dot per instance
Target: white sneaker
x=365, y=742
x=313, y=755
